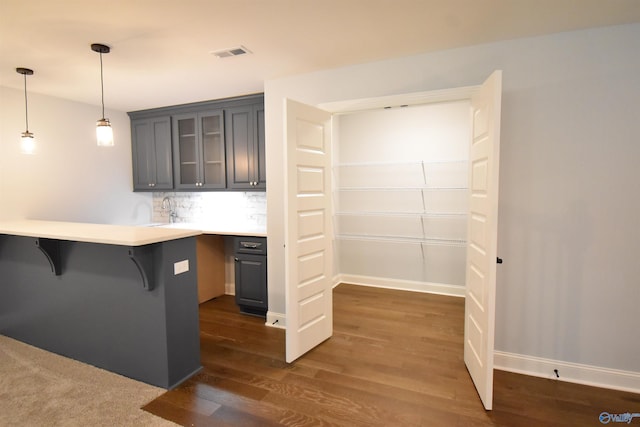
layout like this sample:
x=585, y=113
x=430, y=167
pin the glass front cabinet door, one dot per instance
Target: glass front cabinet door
x=199, y=152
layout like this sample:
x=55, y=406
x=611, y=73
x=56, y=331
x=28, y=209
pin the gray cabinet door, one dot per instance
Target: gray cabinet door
x=151, y=146
x=245, y=141
x=251, y=283
x=199, y=150
x=251, y=274
x=211, y=145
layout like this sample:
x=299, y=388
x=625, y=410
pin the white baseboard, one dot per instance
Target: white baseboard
x=279, y=320
x=403, y=285
x=567, y=371
x=276, y=320
x=229, y=288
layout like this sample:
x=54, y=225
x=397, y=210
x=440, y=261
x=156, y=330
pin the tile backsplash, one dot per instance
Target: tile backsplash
x=203, y=207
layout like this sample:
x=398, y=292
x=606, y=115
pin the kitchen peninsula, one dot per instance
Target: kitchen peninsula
x=122, y=298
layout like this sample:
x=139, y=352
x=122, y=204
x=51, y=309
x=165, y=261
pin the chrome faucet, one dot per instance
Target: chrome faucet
x=167, y=206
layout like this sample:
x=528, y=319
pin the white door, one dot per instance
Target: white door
x=308, y=229
x=482, y=237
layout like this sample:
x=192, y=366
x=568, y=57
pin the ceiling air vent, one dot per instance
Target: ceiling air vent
x=234, y=51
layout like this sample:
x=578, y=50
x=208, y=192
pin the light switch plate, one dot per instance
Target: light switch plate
x=180, y=267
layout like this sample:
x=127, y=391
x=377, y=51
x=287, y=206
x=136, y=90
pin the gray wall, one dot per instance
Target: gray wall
x=70, y=178
x=569, y=229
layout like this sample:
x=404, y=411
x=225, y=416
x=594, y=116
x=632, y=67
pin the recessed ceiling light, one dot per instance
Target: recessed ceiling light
x=234, y=51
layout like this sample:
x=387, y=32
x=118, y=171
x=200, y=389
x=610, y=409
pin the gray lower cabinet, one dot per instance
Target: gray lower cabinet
x=245, y=142
x=151, y=149
x=251, y=275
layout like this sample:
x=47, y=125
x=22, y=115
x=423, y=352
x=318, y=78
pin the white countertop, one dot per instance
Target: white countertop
x=223, y=228
x=96, y=233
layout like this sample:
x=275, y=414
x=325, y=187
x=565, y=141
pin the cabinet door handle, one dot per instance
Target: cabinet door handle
x=250, y=245
x=236, y=260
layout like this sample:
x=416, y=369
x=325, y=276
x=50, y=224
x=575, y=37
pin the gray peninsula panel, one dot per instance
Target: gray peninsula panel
x=97, y=309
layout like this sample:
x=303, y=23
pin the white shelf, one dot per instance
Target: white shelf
x=441, y=228
x=414, y=261
x=388, y=239
x=408, y=200
x=403, y=175
x=402, y=220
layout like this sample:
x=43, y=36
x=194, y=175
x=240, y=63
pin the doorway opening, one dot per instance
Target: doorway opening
x=401, y=196
x=306, y=135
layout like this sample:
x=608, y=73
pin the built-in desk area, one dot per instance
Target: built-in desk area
x=122, y=298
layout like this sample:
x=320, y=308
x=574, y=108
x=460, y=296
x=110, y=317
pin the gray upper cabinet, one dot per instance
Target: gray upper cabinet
x=245, y=143
x=211, y=145
x=151, y=147
x=199, y=150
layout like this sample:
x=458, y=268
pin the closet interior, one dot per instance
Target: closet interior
x=401, y=196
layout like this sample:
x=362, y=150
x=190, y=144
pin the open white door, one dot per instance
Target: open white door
x=308, y=230
x=480, y=293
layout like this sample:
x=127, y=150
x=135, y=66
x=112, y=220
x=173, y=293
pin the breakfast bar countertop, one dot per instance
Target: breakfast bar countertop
x=219, y=227
x=110, y=234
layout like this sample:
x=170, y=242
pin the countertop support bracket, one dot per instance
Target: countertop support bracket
x=51, y=249
x=142, y=257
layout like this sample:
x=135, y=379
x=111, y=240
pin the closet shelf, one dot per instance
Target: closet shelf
x=427, y=215
x=420, y=163
x=420, y=188
x=410, y=240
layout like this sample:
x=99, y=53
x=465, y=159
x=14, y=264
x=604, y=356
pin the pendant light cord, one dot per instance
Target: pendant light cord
x=26, y=108
x=101, y=85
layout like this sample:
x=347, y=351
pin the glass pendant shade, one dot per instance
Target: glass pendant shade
x=104, y=133
x=27, y=143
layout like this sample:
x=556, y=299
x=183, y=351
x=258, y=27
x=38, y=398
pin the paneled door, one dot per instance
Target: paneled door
x=483, y=236
x=308, y=229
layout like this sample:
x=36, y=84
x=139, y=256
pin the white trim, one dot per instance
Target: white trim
x=230, y=288
x=415, y=98
x=276, y=320
x=571, y=372
x=336, y=280
x=402, y=285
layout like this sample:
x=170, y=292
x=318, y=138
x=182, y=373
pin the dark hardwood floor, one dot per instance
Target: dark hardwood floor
x=395, y=359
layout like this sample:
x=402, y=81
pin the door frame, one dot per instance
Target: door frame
x=465, y=93
x=415, y=98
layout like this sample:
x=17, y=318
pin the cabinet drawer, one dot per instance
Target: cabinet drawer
x=250, y=245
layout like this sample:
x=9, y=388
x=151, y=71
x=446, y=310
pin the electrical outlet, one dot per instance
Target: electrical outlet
x=180, y=267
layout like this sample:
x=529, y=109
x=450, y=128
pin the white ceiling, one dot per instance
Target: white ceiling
x=160, y=49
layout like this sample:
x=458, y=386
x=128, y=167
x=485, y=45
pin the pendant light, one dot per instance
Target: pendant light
x=104, y=132
x=27, y=139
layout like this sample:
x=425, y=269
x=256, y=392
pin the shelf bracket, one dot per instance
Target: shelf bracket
x=142, y=257
x=51, y=249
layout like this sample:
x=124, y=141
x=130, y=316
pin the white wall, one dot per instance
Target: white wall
x=569, y=231
x=71, y=178
x=386, y=230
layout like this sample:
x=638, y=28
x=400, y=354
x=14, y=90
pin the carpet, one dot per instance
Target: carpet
x=39, y=388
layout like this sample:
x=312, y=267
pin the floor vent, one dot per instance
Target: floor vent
x=234, y=51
